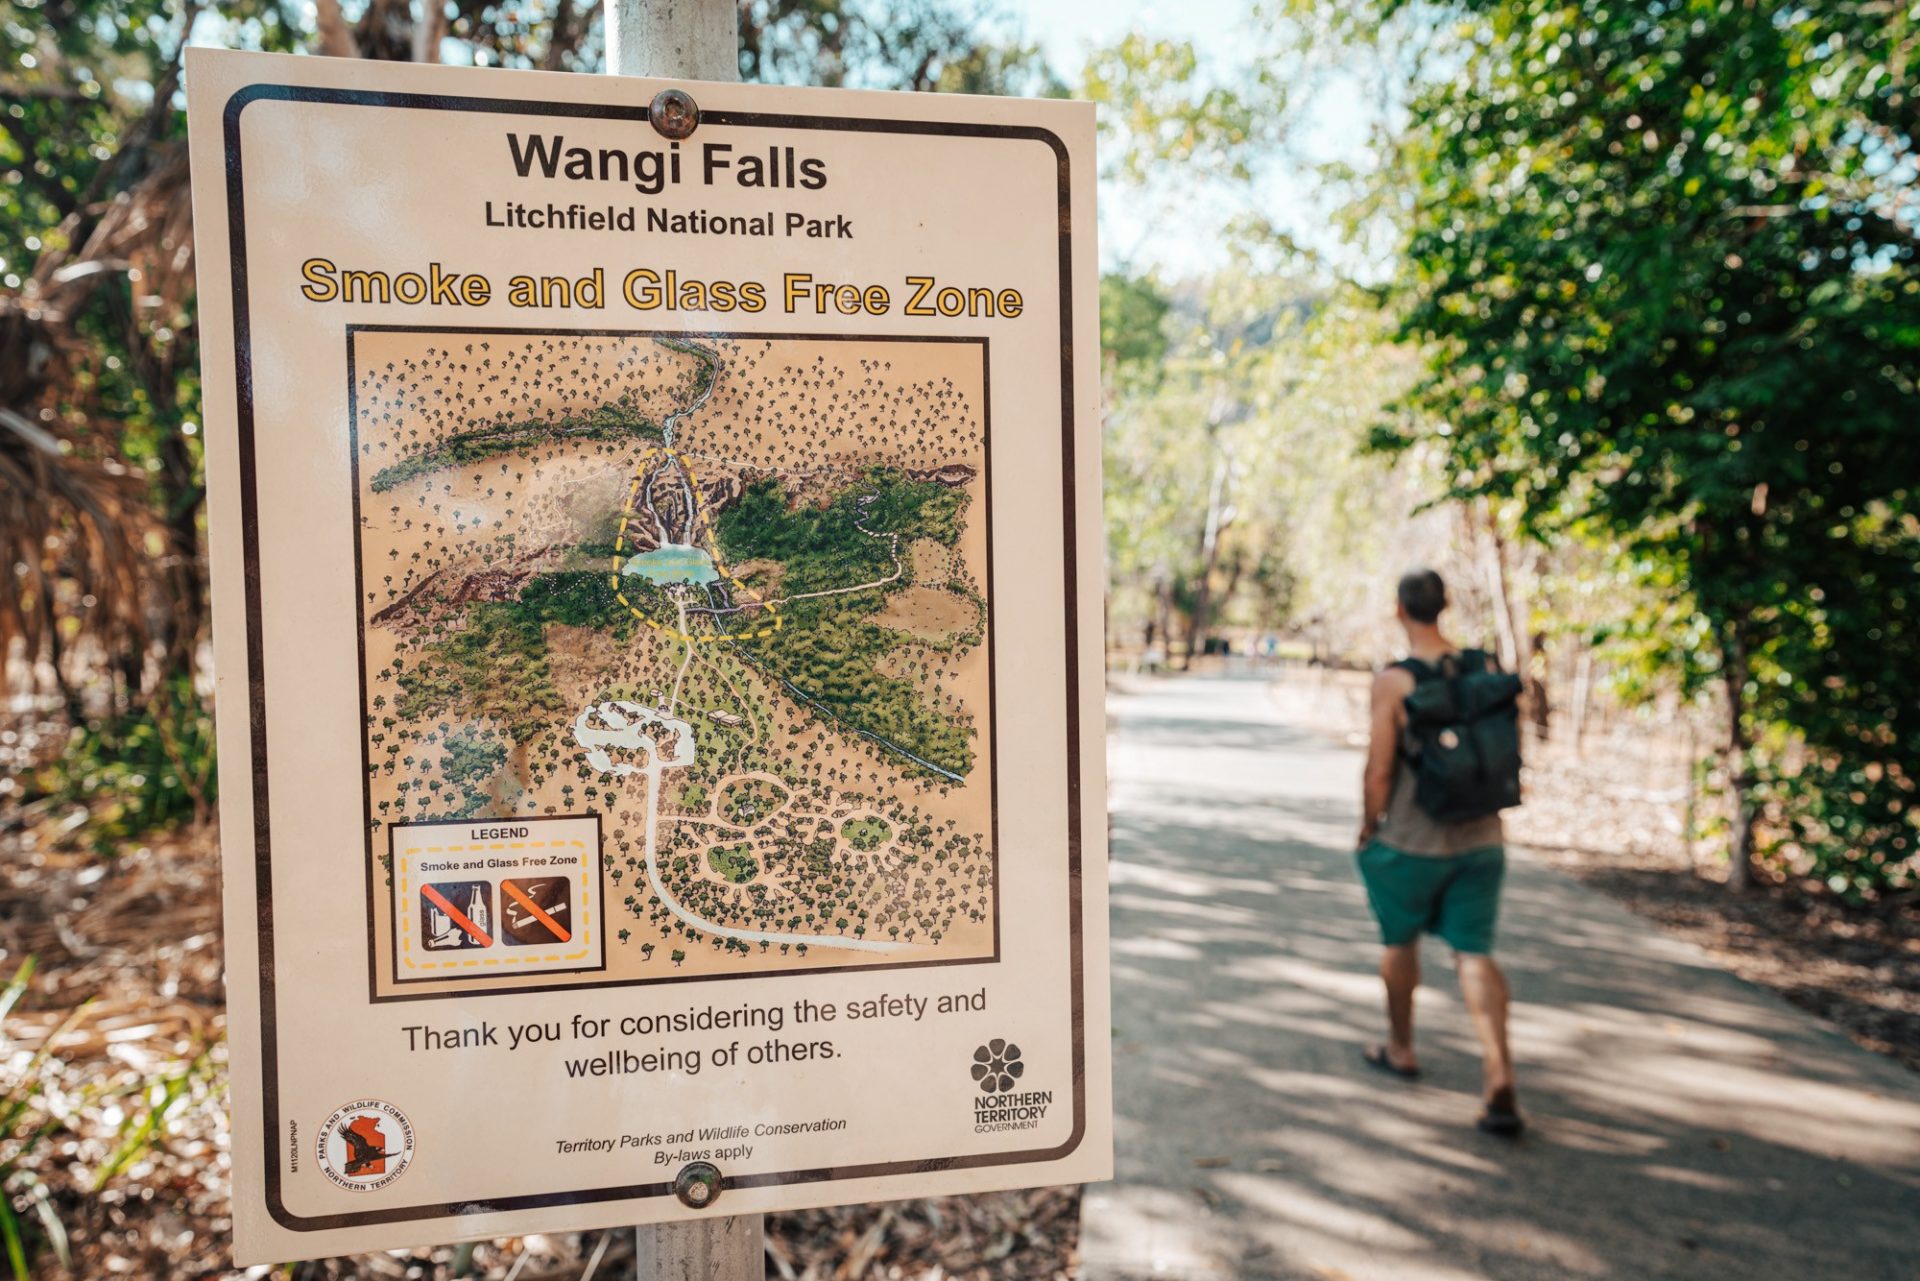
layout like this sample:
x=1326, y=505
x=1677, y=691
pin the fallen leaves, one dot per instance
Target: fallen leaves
x=128, y=1006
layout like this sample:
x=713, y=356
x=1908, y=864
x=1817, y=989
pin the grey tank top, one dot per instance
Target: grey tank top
x=1411, y=830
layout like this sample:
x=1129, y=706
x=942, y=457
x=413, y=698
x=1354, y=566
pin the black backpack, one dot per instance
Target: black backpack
x=1463, y=736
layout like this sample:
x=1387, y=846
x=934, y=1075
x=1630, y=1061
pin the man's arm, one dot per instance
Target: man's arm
x=1390, y=690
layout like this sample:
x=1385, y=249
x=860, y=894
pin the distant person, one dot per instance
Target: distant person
x=1444, y=760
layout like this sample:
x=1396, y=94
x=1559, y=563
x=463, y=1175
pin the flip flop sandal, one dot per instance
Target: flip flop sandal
x=1501, y=1117
x=1376, y=1056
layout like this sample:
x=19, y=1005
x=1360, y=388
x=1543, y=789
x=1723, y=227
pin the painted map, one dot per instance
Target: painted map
x=729, y=593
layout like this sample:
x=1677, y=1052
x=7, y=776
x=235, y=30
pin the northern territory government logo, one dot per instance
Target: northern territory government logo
x=365, y=1145
x=997, y=1070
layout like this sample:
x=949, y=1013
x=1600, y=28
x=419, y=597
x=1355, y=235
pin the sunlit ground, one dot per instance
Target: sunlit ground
x=1684, y=1123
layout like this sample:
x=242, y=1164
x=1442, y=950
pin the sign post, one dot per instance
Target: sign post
x=656, y=555
x=700, y=40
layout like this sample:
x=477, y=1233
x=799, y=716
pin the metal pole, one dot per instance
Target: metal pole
x=697, y=40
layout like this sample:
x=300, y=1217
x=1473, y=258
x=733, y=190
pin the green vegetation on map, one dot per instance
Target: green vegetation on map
x=830, y=649
x=734, y=862
x=749, y=802
x=615, y=421
x=495, y=662
x=468, y=761
x=846, y=541
x=866, y=834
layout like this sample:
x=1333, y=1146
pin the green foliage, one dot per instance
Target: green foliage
x=749, y=801
x=80, y=76
x=469, y=759
x=1665, y=259
x=828, y=656
x=1159, y=111
x=866, y=834
x=26, y=1124
x=734, y=862
x=829, y=649
x=1133, y=314
x=841, y=543
x=37, y=1107
x=1233, y=465
x=145, y=1123
x=140, y=771
x=613, y=422
x=918, y=45
x=574, y=598
x=496, y=664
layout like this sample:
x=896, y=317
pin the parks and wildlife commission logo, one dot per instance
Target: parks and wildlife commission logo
x=997, y=1070
x=365, y=1145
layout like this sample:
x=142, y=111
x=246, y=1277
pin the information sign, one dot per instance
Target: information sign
x=656, y=555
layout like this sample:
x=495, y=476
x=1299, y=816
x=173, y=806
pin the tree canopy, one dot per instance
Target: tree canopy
x=101, y=483
x=1663, y=259
x=1654, y=266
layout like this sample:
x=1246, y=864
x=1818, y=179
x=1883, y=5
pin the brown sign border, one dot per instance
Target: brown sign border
x=256, y=672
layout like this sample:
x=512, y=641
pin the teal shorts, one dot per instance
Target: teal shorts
x=1456, y=896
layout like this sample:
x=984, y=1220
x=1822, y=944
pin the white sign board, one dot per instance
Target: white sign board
x=657, y=602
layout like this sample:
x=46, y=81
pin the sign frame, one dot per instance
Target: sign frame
x=241, y=388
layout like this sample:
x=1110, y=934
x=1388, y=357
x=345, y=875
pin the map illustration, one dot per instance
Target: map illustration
x=728, y=594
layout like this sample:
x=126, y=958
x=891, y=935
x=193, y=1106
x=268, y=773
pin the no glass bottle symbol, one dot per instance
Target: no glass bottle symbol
x=456, y=914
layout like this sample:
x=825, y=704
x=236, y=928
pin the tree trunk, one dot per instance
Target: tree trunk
x=1493, y=568
x=561, y=40
x=1235, y=568
x=1582, y=692
x=1738, y=758
x=332, y=34
x=1163, y=605
x=1219, y=516
x=1516, y=642
x=431, y=26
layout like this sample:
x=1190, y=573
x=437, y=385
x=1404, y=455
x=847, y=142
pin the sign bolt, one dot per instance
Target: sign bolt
x=674, y=113
x=698, y=1185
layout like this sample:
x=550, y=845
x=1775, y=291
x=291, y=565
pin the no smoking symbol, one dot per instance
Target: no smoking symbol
x=537, y=911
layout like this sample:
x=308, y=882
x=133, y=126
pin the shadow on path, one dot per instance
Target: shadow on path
x=1685, y=1123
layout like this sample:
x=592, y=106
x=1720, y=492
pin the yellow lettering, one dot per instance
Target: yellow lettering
x=797, y=283
x=366, y=283
x=922, y=286
x=646, y=297
x=320, y=286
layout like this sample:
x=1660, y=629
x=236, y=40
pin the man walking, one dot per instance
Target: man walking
x=1443, y=761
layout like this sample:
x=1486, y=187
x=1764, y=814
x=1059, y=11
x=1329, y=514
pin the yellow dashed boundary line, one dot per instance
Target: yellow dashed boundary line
x=619, y=561
x=546, y=958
